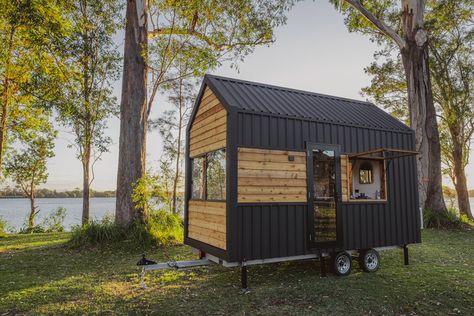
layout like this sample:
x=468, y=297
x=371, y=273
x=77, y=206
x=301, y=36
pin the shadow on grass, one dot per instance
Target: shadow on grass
x=439, y=281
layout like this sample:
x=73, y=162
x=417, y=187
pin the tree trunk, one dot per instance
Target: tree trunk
x=178, y=157
x=421, y=106
x=31, y=217
x=133, y=109
x=86, y=186
x=460, y=182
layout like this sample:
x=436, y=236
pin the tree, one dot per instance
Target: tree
x=403, y=27
x=28, y=33
x=93, y=64
x=26, y=165
x=203, y=32
x=172, y=127
x=451, y=30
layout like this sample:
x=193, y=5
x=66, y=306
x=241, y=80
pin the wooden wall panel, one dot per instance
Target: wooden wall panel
x=346, y=169
x=207, y=222
x=209, y=128
x=268, y=176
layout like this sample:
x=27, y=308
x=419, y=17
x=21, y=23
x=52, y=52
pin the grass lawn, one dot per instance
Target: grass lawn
x=40, y=275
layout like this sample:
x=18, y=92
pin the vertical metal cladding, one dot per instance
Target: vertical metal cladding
x=278, y=230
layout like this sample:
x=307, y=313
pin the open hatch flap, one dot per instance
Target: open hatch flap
x=383, y=154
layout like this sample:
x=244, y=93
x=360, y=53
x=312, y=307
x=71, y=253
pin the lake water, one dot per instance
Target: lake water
x=15, y=211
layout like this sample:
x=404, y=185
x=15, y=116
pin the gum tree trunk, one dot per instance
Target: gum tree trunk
x=421, y=106
x=133, y=112
x=460, y=182
x=31, y=217
x=86, y=186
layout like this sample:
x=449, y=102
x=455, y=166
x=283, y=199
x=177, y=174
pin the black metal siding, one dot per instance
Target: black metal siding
x=276, y=230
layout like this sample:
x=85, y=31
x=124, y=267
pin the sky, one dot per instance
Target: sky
x=313, y=52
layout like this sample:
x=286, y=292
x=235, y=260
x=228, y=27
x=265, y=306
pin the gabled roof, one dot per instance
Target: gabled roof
x=262, y=98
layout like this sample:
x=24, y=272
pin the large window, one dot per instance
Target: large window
x=209, y=176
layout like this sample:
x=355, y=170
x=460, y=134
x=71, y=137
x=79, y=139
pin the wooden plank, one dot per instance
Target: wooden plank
x=244, y=156
x=204, y=129
x=208, y=225
x=270, y=198
x=271, y=151
x=207, y=232
x=207, y=239
x=212, y=205
x=208, y=134
x=271, y=174
x=275, y=182
x=209, y=148
x=278, y=166
x=212, y=218
x=243, y=190
x=208, y=120
x=209, y=140
x=208, y=112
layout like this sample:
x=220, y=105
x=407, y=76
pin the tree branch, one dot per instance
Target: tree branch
x=387, y=30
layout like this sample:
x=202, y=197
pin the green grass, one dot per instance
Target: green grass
x=40, y=275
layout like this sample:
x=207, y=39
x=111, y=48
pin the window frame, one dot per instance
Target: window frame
x=383, y=182
x=205, y=156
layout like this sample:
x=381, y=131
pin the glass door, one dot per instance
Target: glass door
x=324, y=193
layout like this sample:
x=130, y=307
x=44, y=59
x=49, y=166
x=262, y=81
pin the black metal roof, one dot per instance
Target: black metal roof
x=263, y=98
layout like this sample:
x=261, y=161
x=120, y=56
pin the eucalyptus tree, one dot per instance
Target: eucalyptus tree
x=26, y=163
x=401, y=24
x=171, y=126
x=157, y=31
x=450, y=25
x=29, y=31
x=92, y=61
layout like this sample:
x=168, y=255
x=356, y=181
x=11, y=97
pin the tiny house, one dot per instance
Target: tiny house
x=276, y=174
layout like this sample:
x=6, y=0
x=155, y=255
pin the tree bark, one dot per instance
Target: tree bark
x=133, y=112
x=178, y=157
x=31, y=217
x=460, y=182
x=421, y=106
x=86, y=186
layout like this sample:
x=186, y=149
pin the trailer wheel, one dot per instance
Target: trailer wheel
x=342, y=263
x=369, y=260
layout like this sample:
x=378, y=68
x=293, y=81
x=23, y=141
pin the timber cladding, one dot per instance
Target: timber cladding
x=271, y=176
x=207, y=222
x=208, y=130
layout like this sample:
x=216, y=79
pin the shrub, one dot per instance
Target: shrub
x=3, y=227
x=54, y=223
x=162, y=228
x=449, y=219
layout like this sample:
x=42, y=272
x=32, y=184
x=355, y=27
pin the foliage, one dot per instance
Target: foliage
x=148, y=192
x=54, y=223
x=26, y=164
x=451, y=30
x=86, y=281
x=29, y=33
x=3, y=227
x=204, y=34
x=92, y=61
x=48, y=193
x=161, y=228
x=450, y=219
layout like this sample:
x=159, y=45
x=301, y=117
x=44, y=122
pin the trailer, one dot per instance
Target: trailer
x=276, y=174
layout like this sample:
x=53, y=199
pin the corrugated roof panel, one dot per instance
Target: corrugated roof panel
x=263, y=98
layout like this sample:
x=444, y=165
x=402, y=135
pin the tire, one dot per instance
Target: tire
x=342, y=263
x=369, y=260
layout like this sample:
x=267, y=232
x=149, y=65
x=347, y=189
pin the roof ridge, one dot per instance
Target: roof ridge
x=292, y=90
